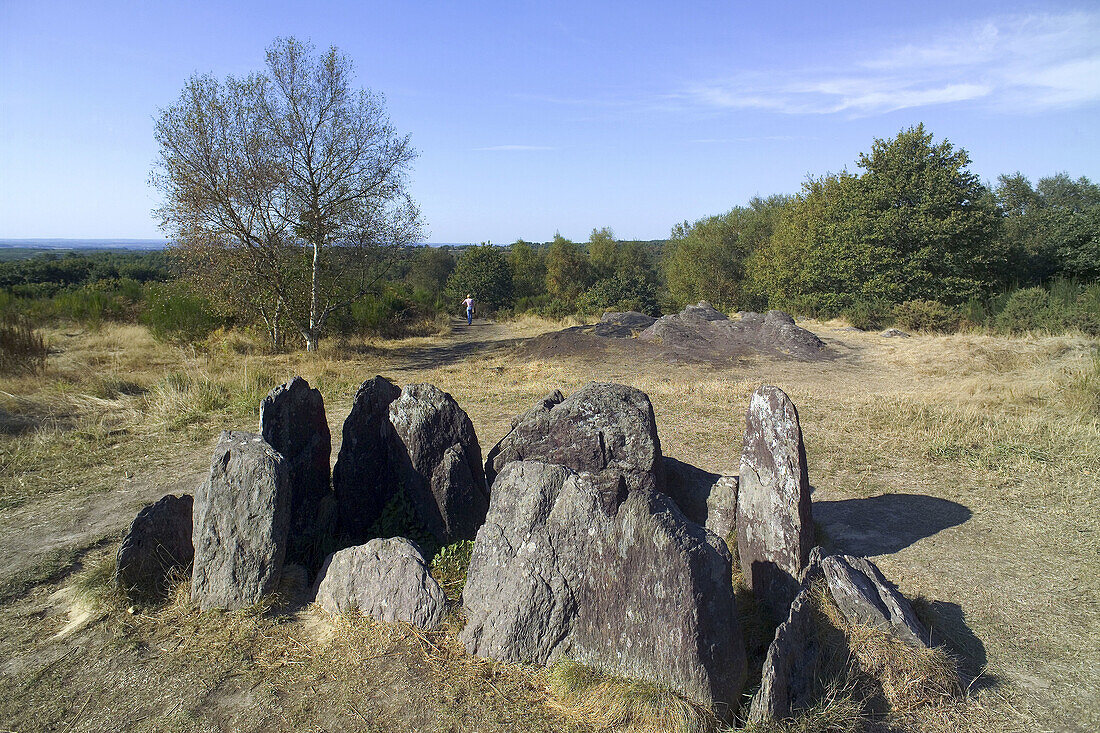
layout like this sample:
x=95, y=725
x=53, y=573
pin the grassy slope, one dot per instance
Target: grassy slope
x=1006, y=429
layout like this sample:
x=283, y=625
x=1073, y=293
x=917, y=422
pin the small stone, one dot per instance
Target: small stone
x=894, y=333
x=385, y=579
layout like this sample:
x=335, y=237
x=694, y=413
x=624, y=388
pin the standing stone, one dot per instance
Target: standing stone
x=774, y=525
x=241, y=518
x=631, y=587
x=159, y=541
x=386, y=579
x=789, y=679
x=293, y=422
x=706, y=498
x=438, y=463
x=605, y=429
x=363, y=481
x=866, y=597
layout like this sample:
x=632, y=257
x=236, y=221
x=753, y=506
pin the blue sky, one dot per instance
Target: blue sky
x=532, y=118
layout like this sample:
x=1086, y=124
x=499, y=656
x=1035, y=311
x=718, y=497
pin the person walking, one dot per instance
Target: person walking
x=469, y=303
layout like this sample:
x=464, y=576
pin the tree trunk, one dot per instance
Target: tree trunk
x=314, y=334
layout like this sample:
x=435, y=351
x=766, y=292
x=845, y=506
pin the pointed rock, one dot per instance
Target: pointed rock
x=774, y=524
x=293, y=422
x=438, y=463
x=865, y=596
x=363, y=480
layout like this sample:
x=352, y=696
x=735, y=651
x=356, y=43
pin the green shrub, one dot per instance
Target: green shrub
x=22, y=349
x=620, y=293
x=926, y=315
x=869, y=315
x=1025, y=310
x=174, y=314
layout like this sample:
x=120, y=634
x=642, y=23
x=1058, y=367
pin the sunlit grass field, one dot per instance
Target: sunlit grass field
x=1006, y=428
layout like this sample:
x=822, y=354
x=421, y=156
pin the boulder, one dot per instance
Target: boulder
x=630, y=586
x=438, y=463
x=158, y=542
x=788, y=679
x=385, y=579
x=894, y=333
x=774, y=525
x=701, y=330
x=622, y=325
x=363, y=480
x=605, y=429
x=705, y=498
x=241, y=518
x=293, y=422
x=866, y=597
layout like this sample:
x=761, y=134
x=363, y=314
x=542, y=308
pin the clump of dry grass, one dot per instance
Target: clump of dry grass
x=839, y=710
x=22, y=349
x=615, y=703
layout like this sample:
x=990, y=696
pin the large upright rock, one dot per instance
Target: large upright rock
x=293, y=422
x=241, y=517
x=631, y=586
x=158, y=543
x=865, y=596
x=363, y=480
x=605, y=429
x=438, y=463
x=386, y=579
x=774, y=525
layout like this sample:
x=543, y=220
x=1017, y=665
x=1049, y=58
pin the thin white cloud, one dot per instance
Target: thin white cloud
x=1017, y=63
x=515, y=147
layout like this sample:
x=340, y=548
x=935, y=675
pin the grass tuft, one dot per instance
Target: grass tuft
x=615, y=703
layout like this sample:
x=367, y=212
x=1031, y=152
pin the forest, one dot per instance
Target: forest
x=912, y=238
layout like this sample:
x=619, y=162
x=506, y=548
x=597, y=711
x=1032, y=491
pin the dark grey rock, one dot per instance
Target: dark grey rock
x=622, y=325
x=438, y=463
x=700, y=329
x=158, y=543
x=774, y=524
x=364, y=480
x=605, y=429
x=632, y=588
x=866, y=597
x=293, y=422
x=703, y=311
x=386, y=579
x=241, y=518
x=789, y=678
x=894, y=333
x=705, y=498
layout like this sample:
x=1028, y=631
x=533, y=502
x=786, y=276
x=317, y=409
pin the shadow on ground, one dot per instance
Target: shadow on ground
x=881, y=525
x=467, y=343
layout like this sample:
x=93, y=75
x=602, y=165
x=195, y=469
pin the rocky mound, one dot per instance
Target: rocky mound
x=697, y=333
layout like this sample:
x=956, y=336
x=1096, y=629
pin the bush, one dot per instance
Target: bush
x=176, y=315
x=926, y=315
x=1025, y=310
x=620, y=293
x=869, y=315
x=22, y=349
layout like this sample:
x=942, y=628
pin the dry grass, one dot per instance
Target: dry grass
x=1007, y=427
x=609, y=703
